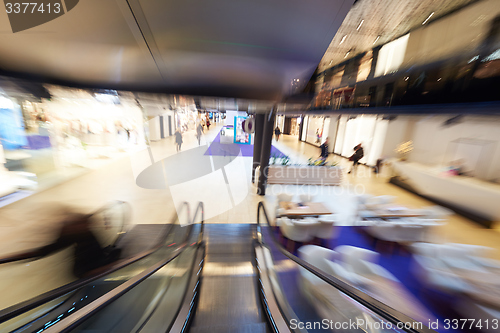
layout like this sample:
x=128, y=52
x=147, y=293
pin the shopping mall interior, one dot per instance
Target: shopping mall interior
x=250, y=166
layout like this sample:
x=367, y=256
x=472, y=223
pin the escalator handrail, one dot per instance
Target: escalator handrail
x=198, y=244
x=391, y=315
x=15, y=258
x=19, y=308
x=89, y=310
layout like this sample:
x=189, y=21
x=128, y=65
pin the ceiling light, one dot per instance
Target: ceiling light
x=376, y=40
x=427, y=19
x=347, y=54
x=360, y=24
x=343, y=39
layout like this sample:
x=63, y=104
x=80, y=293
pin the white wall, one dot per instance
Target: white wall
x=339, y=143
x=432, y=140
x=154, y=129
x=395, y=135
x=230, y=115
x=332, y=133
x=378, y=140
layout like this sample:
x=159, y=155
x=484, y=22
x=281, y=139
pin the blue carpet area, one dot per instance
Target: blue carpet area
x=397, y=261
x=217, y=148
x=36, y=142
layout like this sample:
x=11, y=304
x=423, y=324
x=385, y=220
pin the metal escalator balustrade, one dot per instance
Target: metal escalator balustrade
x=78, y=294
x=147, y=296
x=299, y=292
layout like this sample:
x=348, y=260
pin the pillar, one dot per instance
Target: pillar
x=257, y=143
x=266, y=151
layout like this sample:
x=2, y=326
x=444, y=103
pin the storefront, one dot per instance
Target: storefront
x=367, y=130
x=315, y=130
x=186, y=114
x=49, y=140
x=345, y=132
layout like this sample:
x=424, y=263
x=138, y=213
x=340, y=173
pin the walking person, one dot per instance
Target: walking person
x=358, y=154
x=277, y=133
x=199, y=130
x=324, y=151
x=178, y=140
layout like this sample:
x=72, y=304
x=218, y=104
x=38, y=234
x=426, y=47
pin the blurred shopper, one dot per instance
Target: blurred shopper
x=88, y=253
x=277, y=133
x=324, y=150
x=378, y=166
x=178, y=139
x=358, y=154
x=208, y=124
x=199, y=131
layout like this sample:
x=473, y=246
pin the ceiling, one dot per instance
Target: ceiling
x=383, y=21
x=245, y=49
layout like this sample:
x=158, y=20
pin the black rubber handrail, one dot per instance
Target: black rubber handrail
x=391, y=315
x=19, y=308
x=111, y=296
x=15, y=258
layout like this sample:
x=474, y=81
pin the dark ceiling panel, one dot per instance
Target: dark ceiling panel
x=220, y=47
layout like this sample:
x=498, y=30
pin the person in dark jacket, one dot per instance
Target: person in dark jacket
x=178, y=139
x=324, y=150
x=199, y=131
x=358, y=154
x=277, y=133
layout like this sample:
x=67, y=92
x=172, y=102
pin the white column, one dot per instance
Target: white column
x=2, y=160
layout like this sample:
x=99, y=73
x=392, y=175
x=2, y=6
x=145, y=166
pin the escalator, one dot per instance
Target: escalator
x=211, y=278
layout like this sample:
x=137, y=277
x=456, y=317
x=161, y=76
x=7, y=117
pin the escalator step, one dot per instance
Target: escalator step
x=244, y=328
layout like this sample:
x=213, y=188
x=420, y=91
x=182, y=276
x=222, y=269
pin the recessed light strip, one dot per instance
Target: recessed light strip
x=343, y=39
x=427, y=19
x=360, y=24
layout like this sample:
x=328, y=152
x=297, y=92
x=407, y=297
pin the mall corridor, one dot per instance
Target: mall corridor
x=250, y=166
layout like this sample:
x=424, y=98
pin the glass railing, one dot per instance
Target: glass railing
x=147, y=292
x=153, y=304
x=43, y=311
x=43, y=273
x=312, y=300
